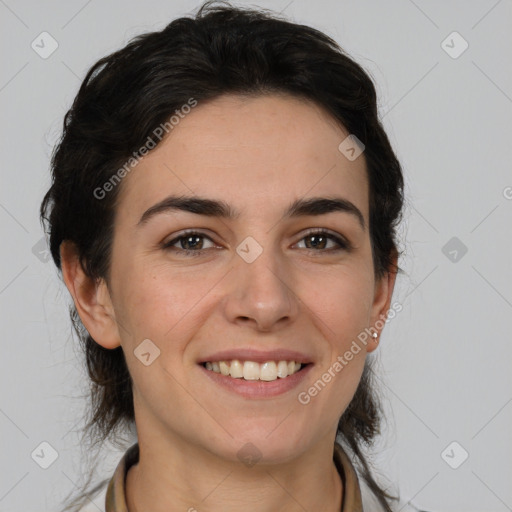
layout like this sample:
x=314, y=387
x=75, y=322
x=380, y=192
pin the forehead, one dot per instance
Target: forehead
x=260, y=151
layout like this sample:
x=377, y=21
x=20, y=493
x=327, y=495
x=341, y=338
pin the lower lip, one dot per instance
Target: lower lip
x=258, y=388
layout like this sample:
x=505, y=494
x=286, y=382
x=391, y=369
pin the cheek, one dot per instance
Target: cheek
x=343, y=312
x=342, y=300
x=160, y=309
x=168, y=307
x=343, y=318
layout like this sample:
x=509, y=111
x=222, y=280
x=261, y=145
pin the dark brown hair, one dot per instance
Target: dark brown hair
x=126, y=95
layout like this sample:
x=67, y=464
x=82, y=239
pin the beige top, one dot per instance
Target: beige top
x=115, y=500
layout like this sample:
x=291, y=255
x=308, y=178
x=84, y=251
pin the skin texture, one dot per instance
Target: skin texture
x=258, y=154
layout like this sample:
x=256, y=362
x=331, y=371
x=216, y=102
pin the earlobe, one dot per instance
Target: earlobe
x=382, y=299
x=91, y=298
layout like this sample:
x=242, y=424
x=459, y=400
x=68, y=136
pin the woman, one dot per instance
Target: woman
x=223, y=210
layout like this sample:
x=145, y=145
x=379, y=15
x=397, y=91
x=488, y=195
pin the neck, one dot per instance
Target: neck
x=165, y=479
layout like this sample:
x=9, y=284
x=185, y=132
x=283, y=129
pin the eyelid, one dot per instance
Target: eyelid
x=340, y=239
x=182, y=234
x=343, y=243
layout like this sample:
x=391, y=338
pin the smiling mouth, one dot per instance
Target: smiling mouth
x=251, y=370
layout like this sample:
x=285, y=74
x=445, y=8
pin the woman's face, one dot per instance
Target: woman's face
x=254, y=286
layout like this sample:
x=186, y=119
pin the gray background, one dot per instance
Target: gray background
x=444, y=361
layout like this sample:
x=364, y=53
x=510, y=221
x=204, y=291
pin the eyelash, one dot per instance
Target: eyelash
x=344, y=245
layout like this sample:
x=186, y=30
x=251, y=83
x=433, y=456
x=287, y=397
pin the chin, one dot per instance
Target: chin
x=266, y=441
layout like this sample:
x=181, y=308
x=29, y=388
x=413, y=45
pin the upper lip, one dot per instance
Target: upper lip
x=247, y=354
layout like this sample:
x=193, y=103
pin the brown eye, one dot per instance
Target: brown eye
x=190, y=243
x=319, y=240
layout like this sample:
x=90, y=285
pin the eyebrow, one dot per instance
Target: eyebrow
x=219, y=208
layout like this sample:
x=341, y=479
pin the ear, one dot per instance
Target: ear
x=382, y=299
x=91, y=298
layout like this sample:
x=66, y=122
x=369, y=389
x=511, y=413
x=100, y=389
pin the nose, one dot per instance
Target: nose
x=261, y=293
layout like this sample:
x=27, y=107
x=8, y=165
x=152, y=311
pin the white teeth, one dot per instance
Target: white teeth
x=282, y=369
x=224, y=368
x=250, y=370
x=236, y=369
x=269, y=371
